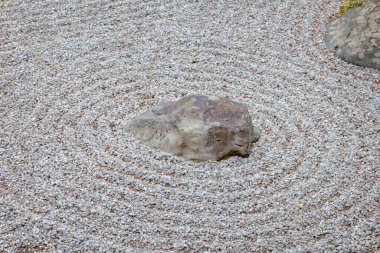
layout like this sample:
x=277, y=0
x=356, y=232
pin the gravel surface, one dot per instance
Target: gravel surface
x=73, y=72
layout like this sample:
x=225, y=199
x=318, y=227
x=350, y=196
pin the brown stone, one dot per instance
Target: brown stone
x=197, y=127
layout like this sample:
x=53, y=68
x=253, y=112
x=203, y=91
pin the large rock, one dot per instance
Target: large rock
x=197, y=127
x=355, y=37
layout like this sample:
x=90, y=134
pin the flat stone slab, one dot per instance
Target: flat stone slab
x=197, y=127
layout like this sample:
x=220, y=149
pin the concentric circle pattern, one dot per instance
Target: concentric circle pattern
x=72, y=73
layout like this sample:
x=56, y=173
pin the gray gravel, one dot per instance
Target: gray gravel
x=73, y=72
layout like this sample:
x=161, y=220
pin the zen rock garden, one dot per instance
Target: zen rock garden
x=197, y=127
x=274, y=148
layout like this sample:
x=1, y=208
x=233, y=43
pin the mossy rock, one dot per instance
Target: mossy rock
x=355, y=37
x=349, y=4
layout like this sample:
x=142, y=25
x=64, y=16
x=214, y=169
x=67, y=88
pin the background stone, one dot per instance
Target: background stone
x=355, y=37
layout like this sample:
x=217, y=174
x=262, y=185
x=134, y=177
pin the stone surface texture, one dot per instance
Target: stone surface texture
x=197, y=127
x=355, y=37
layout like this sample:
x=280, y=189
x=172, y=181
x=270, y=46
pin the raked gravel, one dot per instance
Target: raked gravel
x=73, y=72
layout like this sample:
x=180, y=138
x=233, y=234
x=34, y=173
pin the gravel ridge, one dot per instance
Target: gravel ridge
x=73, y=72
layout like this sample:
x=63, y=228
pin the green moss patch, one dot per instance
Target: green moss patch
x=349, y=4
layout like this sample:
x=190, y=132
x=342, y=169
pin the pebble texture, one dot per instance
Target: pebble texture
x=197, y=127
x=73, y=72
x=355, y=37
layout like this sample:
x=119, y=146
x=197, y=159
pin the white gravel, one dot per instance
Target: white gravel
x=73, y=72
